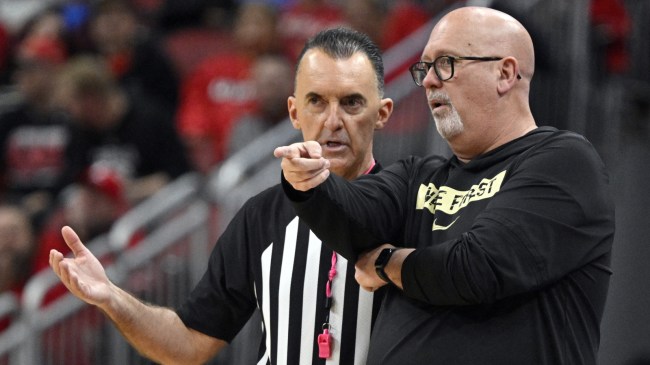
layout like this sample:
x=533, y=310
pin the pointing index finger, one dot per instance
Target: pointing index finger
x=286, y=152
x=308, y=149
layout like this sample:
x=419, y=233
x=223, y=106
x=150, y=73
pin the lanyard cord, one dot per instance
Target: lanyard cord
x=324, y=340
x=328, y=286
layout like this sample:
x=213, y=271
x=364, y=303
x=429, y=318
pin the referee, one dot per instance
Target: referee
x=313, y=311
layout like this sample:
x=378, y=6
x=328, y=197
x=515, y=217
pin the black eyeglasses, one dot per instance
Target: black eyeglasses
x=443, y=67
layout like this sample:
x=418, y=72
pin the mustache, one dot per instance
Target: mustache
x=333, y=137
x=438, y=96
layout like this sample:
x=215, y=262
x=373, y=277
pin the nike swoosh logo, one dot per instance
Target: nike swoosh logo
x=437, y=227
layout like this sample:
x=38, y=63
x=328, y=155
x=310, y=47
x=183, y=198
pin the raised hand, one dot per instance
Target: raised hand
x=82, y=274
x=303, y=165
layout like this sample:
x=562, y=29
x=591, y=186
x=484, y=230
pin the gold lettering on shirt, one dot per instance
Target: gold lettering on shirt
x=449, y=200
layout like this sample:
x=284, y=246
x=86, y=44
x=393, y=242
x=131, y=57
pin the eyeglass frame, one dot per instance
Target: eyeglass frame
x=453, y=59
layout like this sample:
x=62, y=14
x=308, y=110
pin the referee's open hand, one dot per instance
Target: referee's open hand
x=82, y=273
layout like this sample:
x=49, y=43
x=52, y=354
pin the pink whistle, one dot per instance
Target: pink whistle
x=324, y=345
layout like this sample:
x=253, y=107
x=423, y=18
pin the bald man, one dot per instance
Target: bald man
x=502, y=251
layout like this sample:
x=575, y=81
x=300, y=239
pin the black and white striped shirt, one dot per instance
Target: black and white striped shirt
x=268, y=259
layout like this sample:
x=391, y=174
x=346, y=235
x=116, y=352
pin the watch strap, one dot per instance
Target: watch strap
x=382, y=261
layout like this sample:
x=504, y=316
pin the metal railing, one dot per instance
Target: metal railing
x=161, y=268
x=10, y=337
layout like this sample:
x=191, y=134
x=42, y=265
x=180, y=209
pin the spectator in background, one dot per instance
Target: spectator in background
x=110, y=131
x=272, y=77
x=48, y=22
x=54, y=22
x=134, y=56
x=33, y=136
x=64, y=22
x=44, y=23
x=90, y=205
x=303, y=19
x=17, y=244
x=219, y=90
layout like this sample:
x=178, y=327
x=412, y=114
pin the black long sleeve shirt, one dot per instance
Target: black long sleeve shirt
x=512, y=251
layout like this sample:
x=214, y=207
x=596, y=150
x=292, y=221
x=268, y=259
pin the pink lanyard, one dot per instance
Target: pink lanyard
x=324, y=339
x=328, y=286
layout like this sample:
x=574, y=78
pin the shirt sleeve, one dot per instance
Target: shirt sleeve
x=553, y=217
x=366, y=212
x=224, y=299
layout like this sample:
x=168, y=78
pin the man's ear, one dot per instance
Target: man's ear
x=509, y=75
x=384, y=112
x=293, y=112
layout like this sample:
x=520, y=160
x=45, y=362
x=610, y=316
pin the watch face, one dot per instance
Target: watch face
x=381, y=262
x=383, y=257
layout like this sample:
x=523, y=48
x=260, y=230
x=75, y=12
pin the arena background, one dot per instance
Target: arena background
x=571, y=90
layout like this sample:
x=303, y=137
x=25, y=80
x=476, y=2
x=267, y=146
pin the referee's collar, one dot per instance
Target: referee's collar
x=375, y=168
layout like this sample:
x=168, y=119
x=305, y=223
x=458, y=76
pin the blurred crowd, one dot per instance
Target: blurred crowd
x=103, y=102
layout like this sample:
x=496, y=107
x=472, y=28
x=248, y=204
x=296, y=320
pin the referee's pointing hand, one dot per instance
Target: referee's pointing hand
x=303, y=165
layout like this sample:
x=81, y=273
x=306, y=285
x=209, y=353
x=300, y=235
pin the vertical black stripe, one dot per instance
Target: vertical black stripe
x=350, y=301
x=349, y=331
x=297, y=281
x=274, y=288
x=377, y=300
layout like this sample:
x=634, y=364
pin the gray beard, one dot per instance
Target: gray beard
x=448, y=124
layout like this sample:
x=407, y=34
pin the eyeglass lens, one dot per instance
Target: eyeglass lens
x=443, y=67
x=419, y=71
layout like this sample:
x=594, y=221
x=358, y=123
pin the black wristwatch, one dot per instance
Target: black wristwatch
x=382, y=261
